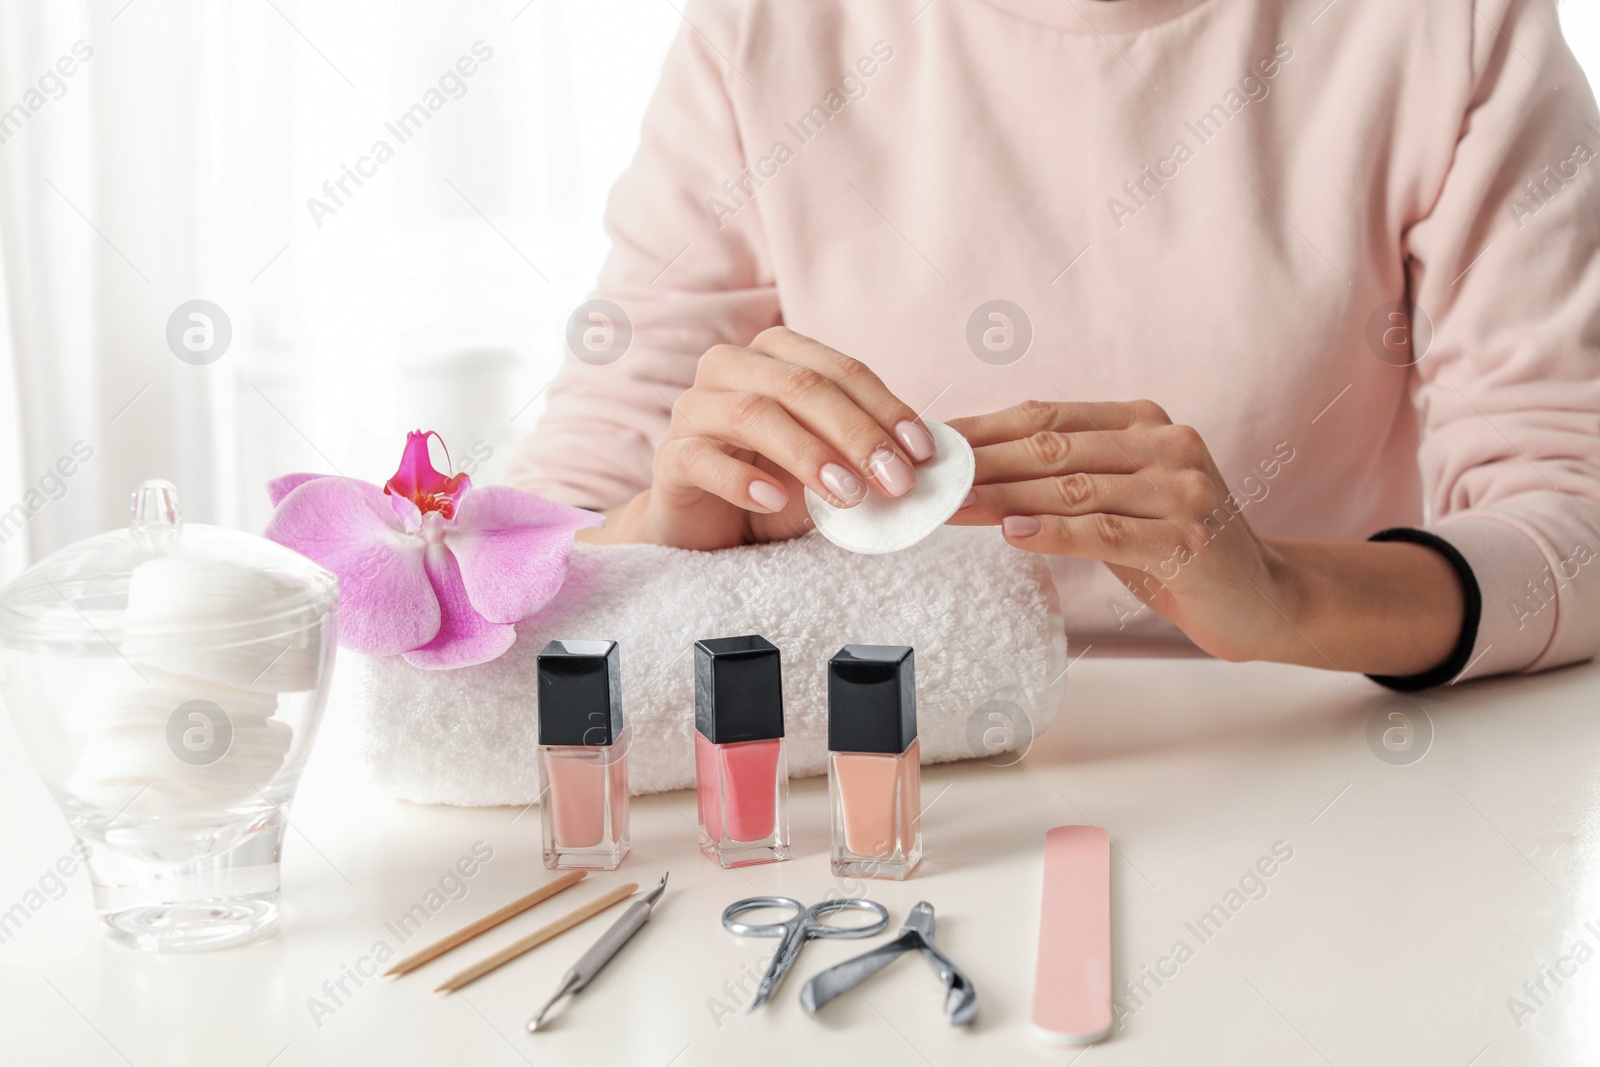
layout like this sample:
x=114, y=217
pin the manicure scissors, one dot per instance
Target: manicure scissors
x=805, y=924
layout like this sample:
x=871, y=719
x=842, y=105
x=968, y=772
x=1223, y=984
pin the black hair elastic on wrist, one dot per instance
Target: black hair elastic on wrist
x=1457, y=660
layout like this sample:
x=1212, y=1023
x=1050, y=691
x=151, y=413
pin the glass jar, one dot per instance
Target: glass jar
x=167, y=681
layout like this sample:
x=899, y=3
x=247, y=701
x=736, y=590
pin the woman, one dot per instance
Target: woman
x=1335, y=265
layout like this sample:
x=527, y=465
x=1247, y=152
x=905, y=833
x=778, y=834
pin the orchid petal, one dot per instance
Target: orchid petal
x=465, y=637
x=387, y=602
x=512, y=548
x=279, y=488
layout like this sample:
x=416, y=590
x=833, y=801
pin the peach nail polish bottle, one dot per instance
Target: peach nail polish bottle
x=583, y=756
x=874, y=769
x=738, y=747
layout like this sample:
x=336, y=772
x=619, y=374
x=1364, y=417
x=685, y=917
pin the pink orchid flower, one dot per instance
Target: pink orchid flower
x=430, y=567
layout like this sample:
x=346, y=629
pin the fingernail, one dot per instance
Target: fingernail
x=971, y=499
x=915, y=440
x=772, y=497
x=892, y=472
x=1021, y=525
x=842, y=484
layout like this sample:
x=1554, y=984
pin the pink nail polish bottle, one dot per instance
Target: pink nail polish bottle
x=874, y=762
x=738, y=748
x=583, y=756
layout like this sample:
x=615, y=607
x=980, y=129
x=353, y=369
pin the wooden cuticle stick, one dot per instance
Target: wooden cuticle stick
x=488, y=922
x=537, y=938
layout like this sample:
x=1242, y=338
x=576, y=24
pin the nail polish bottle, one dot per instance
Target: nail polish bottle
x=583, y=756
x=738, y=751
x=874, y=769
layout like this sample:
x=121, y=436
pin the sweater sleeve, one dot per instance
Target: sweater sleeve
x=1507, y=265
x=684, y=277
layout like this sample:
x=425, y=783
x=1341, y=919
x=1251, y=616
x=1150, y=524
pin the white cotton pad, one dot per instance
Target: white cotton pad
x=882, y=524
x=126, y=722
x=222, y=622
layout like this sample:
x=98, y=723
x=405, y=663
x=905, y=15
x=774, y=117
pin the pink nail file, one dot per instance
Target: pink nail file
x=1072, y=987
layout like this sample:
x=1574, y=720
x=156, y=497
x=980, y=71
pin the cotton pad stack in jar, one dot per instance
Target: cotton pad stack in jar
x=188, y=713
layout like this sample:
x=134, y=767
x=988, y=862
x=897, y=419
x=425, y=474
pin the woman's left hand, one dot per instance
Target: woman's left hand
x=1118, y=482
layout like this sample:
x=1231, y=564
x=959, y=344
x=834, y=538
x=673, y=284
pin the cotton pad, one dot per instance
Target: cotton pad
x=882, y=524
x=127, y=724
x=222, y=622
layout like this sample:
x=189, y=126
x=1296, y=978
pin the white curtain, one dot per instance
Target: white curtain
x=13, y=538
x=175, y=163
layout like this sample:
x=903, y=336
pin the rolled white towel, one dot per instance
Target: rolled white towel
x=982, y=616
x=242, y=627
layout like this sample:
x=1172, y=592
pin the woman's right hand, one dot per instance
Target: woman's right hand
x=760, y=424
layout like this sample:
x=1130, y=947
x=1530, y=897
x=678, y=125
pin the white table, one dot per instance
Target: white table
x=1418, y=900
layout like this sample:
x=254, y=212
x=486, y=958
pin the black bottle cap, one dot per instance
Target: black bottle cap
x=872, y=699
x=580, y=693
x=738, y=689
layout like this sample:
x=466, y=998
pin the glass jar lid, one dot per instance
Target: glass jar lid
x=165, y=580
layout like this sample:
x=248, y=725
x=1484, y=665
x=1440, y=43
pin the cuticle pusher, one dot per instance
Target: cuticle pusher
x=593, y=961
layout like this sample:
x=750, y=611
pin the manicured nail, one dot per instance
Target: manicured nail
x=971, y=499
x=842, y=484
x=892, y=472
x=769, y=496
x=915, y=440
x=1021, y=525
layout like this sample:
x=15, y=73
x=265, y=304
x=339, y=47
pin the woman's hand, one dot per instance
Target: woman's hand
x=1118, y=482
x=759, y=424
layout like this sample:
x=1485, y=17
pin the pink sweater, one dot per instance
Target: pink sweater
x=1219, y=205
